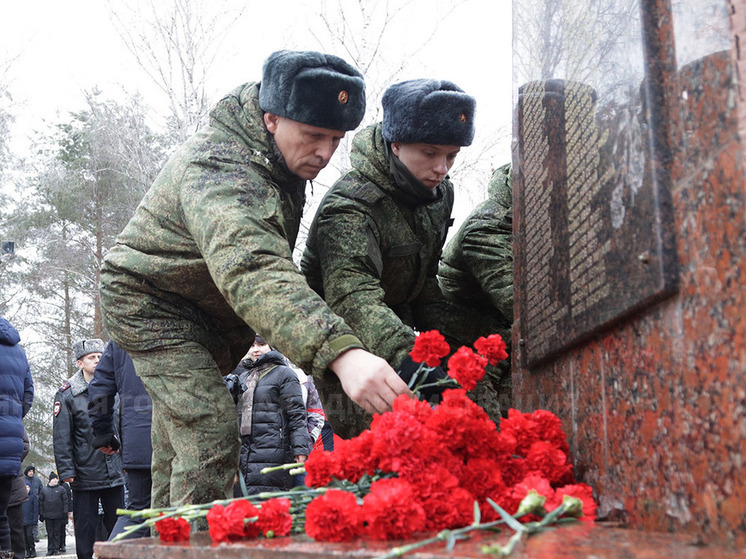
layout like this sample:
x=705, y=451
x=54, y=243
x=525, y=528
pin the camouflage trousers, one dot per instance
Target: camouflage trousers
x=194, y=429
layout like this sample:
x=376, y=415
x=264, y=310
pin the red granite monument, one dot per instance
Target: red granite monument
x=630, y=254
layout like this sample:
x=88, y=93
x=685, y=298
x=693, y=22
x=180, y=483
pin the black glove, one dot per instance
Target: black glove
x=231, y=381
x=408, y=368
x=234, y=386
x=109, y=439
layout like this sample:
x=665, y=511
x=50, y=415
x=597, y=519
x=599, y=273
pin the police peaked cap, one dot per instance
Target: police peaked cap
x=313, y=88
x=428, y=112
x=81, y=348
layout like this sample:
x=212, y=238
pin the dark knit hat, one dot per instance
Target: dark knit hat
x=314, y=88
x=428, y=112
x=52, y=476
x=81, y=348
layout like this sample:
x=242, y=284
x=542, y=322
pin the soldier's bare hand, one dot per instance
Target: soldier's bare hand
x=368, y=380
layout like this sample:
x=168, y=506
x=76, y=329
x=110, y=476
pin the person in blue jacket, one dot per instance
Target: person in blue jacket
x=115, y=375
x=16, y=396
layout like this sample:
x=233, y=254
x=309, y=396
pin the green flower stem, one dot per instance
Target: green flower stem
x=447, y=382
x=298, y=499
x=443, y=535
x=521, y=530
x=288, y=466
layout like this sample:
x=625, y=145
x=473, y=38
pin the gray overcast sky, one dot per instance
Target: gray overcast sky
x=63, y=47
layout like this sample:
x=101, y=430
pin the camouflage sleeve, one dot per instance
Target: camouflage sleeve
x=236, y=221
x=487, y=248
x=351, y=280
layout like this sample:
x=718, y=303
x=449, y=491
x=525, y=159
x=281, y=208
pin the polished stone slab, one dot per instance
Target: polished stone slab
x=583, y=540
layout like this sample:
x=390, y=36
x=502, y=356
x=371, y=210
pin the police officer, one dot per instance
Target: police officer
x=207, y=260
x=92, y=475
x=374, y=244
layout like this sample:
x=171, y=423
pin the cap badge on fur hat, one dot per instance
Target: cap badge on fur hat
x=313, y=88
x=428, y=112
x=81, y=348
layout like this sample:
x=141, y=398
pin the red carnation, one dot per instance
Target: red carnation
x=449, y=509
x=354, y=457
x=233, y=522
x=462, y=426
x=549, y=428
x=392, y=510
x=549, y=461
x=237, y=514
x=320, y=467
x=173, y=529
x=522, y=428
x=274, y=518
x=217, y=524
x=466, y=367
x=581, y=491
x=483, y=478
x=401, y=442
x=334, y=516
x=511, y=499
x=492, y=347
x=418, y=408
x=429, y=347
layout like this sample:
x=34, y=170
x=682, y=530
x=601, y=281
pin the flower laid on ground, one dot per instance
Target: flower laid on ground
x=173, y=529
x=419, y=470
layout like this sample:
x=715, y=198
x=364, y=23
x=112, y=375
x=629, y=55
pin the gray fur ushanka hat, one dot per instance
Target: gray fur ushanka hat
x=428, y=112
x=313, y=88
x=81, y=348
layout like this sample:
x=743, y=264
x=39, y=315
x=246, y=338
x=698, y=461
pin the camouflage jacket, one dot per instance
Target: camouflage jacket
x=373, y=253
x=209, y=251
x=477, y=263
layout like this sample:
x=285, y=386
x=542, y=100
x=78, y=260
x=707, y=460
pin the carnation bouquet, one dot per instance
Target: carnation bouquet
x=420, y=471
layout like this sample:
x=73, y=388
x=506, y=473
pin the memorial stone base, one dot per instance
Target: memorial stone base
x=600, y=540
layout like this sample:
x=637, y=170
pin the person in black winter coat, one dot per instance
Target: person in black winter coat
x=16, y=396
x=115, y=374
x=30, y=520
x=53, y=511
x=93, y=475
x=271, y=417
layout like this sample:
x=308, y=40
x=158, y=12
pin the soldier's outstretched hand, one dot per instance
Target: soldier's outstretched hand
x=368, y=380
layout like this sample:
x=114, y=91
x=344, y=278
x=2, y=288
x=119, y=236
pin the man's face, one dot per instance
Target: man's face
x=30, y=473
x=54, y=481
x=429, y=163
x=307, y=149
x=88, y=363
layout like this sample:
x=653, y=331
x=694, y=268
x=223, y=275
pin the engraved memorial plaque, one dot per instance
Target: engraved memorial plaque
x=595, y=240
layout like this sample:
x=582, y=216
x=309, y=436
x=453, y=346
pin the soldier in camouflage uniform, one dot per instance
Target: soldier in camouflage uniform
x=374, y=245
x=476, y=275
x=207, y=260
